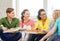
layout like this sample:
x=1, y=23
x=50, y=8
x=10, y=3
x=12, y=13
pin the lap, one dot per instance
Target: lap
x=9, y=36
x=36, y=37
x=57, y=38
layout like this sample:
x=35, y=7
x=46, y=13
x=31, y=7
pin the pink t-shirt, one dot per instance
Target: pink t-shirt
x=29, y=22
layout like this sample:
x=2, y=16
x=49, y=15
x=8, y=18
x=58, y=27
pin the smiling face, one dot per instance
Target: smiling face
x=55, y=14
x=26, y=14
x=43, y=15
x=10, y=12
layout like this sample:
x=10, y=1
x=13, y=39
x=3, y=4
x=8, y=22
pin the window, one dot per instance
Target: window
x=52, y=5
x=32, y=5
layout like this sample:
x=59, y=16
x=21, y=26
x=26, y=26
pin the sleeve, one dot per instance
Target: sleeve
x=37, y=25
x=17, y=23
x=32, y=24
x=0, y=23
x=21, y=24
x=57, y=22
x=50, y=25
x=46, y=28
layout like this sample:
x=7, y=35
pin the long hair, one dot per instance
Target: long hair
x=39, y=13
x=57, y=12
x=22, y=15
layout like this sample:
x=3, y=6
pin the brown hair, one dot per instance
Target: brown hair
x=39, y=13
x=9, y=10
x=22, y=17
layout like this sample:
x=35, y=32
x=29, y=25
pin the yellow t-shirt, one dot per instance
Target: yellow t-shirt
x=40, y=25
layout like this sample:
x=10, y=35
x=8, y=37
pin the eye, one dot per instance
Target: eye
x=12, y=13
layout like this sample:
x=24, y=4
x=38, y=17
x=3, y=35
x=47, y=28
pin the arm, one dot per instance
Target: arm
x=1, y=25
x=51, y=32
x=32, y=24
x=37, y=25
x=16, y=24
x=21, y=24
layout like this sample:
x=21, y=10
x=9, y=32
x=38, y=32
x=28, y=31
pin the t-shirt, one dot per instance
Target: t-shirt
x=40, y=25
x=29, y=23
x=57, y=25
x=14, y=23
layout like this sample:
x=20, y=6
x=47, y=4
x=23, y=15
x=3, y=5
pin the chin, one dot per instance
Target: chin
x=12, y=17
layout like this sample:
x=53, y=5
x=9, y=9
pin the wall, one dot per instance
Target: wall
x=4, y=4
x=32, y=5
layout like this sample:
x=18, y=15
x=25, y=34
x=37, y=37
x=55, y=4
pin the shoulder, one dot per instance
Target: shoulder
x=58, y=18
x=16, y=19
x=2, y=19
x=48, y=19
x=31, y=20
x=38, y=21
x=20, y=21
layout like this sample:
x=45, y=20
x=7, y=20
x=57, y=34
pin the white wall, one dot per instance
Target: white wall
x=49, y=5
x=4, y=4
x=18, y=5
x=52, y=5
x=32, y=5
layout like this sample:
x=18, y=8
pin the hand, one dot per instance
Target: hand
x=38, y=29
x=13, y=28
x=4, y=28
x=41, y=39
x=22, y=29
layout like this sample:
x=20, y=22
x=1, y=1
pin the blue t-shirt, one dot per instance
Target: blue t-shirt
x=57, y=25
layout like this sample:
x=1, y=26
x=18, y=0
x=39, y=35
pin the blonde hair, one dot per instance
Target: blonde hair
x=58, y=15
x=57, y=12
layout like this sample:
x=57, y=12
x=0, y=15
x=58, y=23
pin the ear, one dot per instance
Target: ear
x=7, y=13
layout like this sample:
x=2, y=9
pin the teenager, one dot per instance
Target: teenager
x=55, y=29
x=9, y=22
x=26, y=22
x=42, y=24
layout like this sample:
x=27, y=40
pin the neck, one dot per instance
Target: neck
x=9, y=19
x=26, y=19
x=44, y=20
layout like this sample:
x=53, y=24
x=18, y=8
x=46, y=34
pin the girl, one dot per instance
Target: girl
x=55, y=16
x=42, y=24
x=56, y=28
x=7, y=23
x=26, y=22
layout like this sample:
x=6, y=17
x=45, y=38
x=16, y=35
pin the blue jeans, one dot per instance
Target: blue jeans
x=36, y=37
x=9, y=36
x=56, y=38
x=51, y=37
